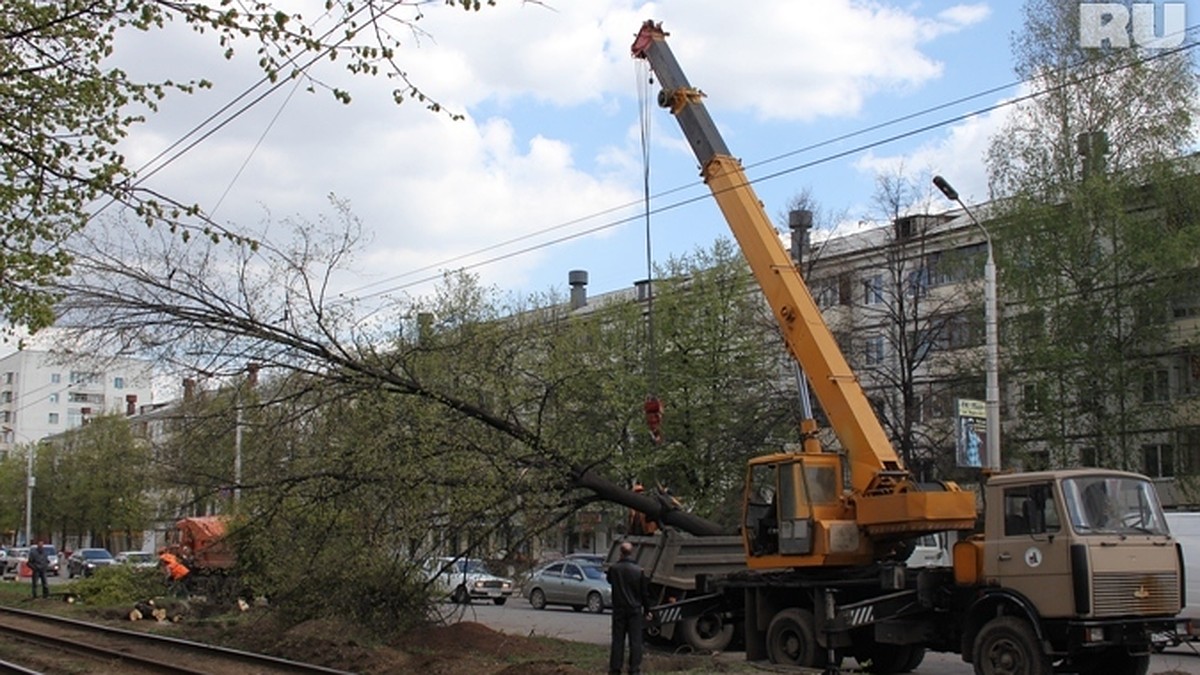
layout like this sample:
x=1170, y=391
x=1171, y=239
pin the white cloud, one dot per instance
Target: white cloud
x=958, y=155
x=550, y=132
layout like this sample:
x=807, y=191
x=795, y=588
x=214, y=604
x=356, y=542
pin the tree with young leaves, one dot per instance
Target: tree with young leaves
x=1097, y=239
x=67, y=108
x=904, y=334
x=94, y=483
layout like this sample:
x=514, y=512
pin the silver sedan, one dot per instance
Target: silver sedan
x=575, y=584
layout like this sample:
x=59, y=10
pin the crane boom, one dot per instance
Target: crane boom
x=880, y=483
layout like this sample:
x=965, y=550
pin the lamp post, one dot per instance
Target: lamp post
x=992, y=335
x=30, y=481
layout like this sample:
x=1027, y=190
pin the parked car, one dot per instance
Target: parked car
x=13, y=558
x=136, y=559
x=464, y=580
x=55, y=561
x=575, y=583
x=590, y=558
x=85, y=561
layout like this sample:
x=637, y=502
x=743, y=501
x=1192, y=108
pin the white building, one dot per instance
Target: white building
x=45, y=393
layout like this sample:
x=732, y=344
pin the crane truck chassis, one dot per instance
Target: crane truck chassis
x=1070, y=571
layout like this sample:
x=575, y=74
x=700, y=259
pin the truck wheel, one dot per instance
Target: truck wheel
x=707, y=633
x=461, y=596
x=595, y=603
x=537, y=598
x=914, y=659
x=1006, y=645
x=792, y=639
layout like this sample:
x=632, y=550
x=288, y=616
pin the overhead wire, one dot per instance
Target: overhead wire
x=144, y=172
x=441, y=265
x=762, y=178
x=652, y=407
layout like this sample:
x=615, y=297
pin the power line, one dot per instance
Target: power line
x=766, y=177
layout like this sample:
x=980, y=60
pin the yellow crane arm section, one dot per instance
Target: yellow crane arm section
x=874, y=463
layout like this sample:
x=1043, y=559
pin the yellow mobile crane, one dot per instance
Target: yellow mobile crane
x=818, y=523
x=1073, y=571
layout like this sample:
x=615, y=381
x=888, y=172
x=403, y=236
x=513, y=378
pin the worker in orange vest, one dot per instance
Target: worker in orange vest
x=176, y=571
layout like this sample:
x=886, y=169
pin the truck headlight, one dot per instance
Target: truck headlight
x=1093, y=634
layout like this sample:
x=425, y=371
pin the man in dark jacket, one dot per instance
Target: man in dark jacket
x=39, y=562
x=631, y=600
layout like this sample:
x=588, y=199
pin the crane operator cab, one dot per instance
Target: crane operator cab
x=796, y=513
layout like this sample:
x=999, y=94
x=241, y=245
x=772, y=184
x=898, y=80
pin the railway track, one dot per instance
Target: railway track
x=34, y=643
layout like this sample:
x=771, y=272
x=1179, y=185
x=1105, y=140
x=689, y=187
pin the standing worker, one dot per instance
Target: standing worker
x=631, y=602
x=38, y=563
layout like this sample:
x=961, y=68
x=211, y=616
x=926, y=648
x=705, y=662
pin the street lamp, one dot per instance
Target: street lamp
x=993, y=341
x=30, y=481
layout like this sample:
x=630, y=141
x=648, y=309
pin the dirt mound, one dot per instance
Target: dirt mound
x=473, y=637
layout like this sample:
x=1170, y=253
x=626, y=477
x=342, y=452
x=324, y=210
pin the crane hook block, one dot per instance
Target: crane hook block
x=653, y=410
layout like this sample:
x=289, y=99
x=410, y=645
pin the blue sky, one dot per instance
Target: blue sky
x=550, y=147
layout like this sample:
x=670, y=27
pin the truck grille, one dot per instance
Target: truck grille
x=492, y=584
x=1133, y=593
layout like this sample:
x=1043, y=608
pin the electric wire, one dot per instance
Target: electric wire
x=763, y=178
x=144, y=172
x=641, y=70
x=441, y=265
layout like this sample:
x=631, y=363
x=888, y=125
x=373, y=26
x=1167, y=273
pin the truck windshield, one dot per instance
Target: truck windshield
x=1113, y=504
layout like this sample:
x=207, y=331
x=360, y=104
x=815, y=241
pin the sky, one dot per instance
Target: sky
x=545, y=172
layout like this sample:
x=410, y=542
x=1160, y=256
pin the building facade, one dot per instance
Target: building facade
x=43, y=393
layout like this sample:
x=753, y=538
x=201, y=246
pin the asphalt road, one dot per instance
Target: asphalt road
x=519, y=618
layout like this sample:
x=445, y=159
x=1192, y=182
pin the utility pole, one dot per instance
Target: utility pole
x=992, y=332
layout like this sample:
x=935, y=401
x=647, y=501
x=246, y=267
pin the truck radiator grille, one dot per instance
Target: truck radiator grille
x=493, y=584
x=1134, y=593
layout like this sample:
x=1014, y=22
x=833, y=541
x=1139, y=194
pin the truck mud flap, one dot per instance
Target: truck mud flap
x=692, y=607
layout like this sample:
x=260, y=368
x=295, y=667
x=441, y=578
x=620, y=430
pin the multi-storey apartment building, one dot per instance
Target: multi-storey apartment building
x=43, y=393
x=905, y=302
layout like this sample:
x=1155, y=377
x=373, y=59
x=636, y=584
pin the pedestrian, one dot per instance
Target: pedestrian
x=39, y=562
x=631, y=602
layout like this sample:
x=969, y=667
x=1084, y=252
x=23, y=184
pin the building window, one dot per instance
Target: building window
x=1033, y=397
x=873, y=290
x=6, y=397
x=84, y=377
x=1188, y=442
x=118, y=382
x=1158, y=460
x=74, y=419
x=1088, y=456
x=1156, y=386
x=53, y=398
x=52, y=418
x=873, y=350
x=1189, y=374
x=6, y=417
x=55, y=378
x=8, y=378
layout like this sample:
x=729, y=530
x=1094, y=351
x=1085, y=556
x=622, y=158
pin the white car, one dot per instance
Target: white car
x=137, y=559
x=464, y=580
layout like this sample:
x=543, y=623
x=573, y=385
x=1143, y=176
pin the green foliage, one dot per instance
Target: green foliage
x=1097, y=240
x=119, y=585
x=67, y=109
x=94, y=482
x=325, y=563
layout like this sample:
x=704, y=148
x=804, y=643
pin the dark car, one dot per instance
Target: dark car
x=85, y=561
x=575, y=583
